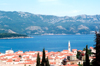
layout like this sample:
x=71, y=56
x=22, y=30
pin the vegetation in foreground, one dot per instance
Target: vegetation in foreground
x=96, y=61
x=45, y=61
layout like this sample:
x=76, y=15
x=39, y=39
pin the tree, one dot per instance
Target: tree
x=89, y=51
x=87, y=56
x=78, y=54
x=38, y=60
x=96, y=61
x=86, y=62
x=43, y=58
x=79, y=65
x=64, y=61
x=47, y=62
x=84, y=49
x=20, y=56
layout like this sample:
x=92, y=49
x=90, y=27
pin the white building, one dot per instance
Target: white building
x=69, y=48
x=9, y=52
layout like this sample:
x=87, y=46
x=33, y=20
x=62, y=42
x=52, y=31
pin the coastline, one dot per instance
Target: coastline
x=15, y=37
x=67, y=34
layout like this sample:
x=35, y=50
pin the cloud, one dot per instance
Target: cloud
x=47, y=0
x=75, y=11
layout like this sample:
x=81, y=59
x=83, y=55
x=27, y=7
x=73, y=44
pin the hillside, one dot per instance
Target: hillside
x=33, y=24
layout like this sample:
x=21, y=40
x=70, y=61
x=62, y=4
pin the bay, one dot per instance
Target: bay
x=49, y=42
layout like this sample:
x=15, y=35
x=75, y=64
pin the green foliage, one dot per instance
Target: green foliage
x=7, y=35
x=89, y=51
x=20, y=56
x=80, y=65
x=96, y=61
x=38, y=60
x=43, y=58
x=78, y=54
x=86, y=62
x=13, y=59
x=84, y=49
x=87, y=57
x=45, y=61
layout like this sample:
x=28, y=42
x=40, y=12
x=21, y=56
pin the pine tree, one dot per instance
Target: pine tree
x=43, y=58
x=38, y=60
x=96, y=61
x=87, y=57
x=86, y=62
x=47, y=62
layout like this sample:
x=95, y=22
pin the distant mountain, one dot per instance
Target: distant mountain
x=30, y=24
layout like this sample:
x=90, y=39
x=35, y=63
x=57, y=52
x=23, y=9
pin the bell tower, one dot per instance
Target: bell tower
x=69, y=46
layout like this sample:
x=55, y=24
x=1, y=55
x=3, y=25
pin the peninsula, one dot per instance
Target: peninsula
x=12, y=36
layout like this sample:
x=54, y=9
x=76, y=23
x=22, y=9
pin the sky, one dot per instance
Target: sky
x=53, y=7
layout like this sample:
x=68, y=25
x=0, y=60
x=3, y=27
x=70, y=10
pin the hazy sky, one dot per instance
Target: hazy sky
x=53, y=7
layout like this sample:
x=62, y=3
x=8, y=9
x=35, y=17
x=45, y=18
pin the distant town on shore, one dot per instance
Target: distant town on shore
x=72, y=58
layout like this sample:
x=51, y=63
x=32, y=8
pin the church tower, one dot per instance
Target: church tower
x=69, y=46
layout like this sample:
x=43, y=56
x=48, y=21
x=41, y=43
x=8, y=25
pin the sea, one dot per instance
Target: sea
x=48, y=42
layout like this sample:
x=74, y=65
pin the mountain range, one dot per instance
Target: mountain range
x=36, y=24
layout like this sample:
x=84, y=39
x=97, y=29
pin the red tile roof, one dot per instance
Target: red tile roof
x=71, y=65
x=9, y=60
x=91, y=47
x=52, y=62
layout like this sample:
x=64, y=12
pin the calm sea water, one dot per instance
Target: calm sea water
x=49, y=42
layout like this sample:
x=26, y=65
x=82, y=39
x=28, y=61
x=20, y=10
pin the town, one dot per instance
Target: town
x=21, y=58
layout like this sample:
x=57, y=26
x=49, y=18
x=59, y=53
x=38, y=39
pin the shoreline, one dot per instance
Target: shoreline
x=15, y=37
x=67, y=34
x=42, y=34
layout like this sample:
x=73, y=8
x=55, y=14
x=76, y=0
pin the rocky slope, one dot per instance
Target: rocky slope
x=27, y=23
